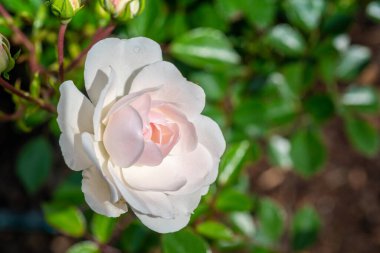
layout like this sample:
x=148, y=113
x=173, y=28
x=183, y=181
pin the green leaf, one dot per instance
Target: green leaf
x=373, y=10
x=363, y=136
x=305, y=14
x=206, y=15
x=84, y=247
x=214, y=230
x=102, y=227
x=308, y=152
x=137, y=238
x=69, y=191
x=228, y=9
x=352, y=62
x=286, y=40
x=66, y=219
x=183, y=241
x=151, y=22
x=34, y=163
x=261, y=13
x=320, y=106
x=244, y=223
x=361, y=99
x=305, y=228
x=233, y=200
x=294, y=74
x=205, y=48
x=279, y=151
x=212, y=84
x=232, y=162
x=271, y=222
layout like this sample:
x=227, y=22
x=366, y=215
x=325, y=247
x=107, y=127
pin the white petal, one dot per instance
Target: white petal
x=188, y=97
x=97, y=195
x=186, y=204
x=195, y=166
x=164, y=177
x=210, y=135
x=124, y=56
x=74, y=116
x=96, y=153
x=147, y=202
x=72, y=151
x=162, y=225
x=123, y=137
x=106, y=98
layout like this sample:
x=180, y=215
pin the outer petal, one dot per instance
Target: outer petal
x=105, y=100
x=186, y=204
x=188, y=97
x=195, y=166
x=74, y=116
x=147, y=178
x=147, y=202
x=124, y=56
x=210, y=135
x=97, y=195
x=96, y=153
x=162, y=225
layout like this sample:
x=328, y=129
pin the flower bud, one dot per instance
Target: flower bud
x=6, y=61
x=64, y=9
x=123, y=9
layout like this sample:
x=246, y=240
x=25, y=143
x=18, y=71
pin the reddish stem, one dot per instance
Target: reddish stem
x=25, y=95
x=23, y=39
x=100, y=34
x=61, y=42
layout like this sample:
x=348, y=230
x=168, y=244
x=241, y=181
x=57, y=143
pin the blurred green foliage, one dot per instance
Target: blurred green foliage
x=274, y=72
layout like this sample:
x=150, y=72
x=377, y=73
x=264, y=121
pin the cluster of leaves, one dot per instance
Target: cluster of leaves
x=274, y=72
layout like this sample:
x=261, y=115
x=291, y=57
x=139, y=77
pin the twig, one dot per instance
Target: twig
x=61, y=42
x=25, y=95
x=99, y=35
x=23, y=39
x=14, y=116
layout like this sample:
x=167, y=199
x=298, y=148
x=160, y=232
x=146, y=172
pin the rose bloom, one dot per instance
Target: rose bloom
x=139, y=138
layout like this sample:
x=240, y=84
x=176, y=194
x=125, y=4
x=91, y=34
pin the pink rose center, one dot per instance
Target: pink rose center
x=140, y=133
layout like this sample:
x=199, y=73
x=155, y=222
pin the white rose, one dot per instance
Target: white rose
x=140, y=138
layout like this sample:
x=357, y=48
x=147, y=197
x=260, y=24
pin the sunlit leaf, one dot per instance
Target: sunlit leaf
x=286, y=40
x=232, y=162
x=305, y=14
x=84, y=247
x=66, y=219
x=352, y=62
x=361, y=99
x=214, y=230
x=205, y=48
x=279, y=151
x=102, y=227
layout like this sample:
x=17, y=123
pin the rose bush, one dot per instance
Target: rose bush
x=139, y=138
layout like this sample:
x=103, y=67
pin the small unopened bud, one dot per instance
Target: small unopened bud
x=123, y=9
x=64, y=9
x=6, y=61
